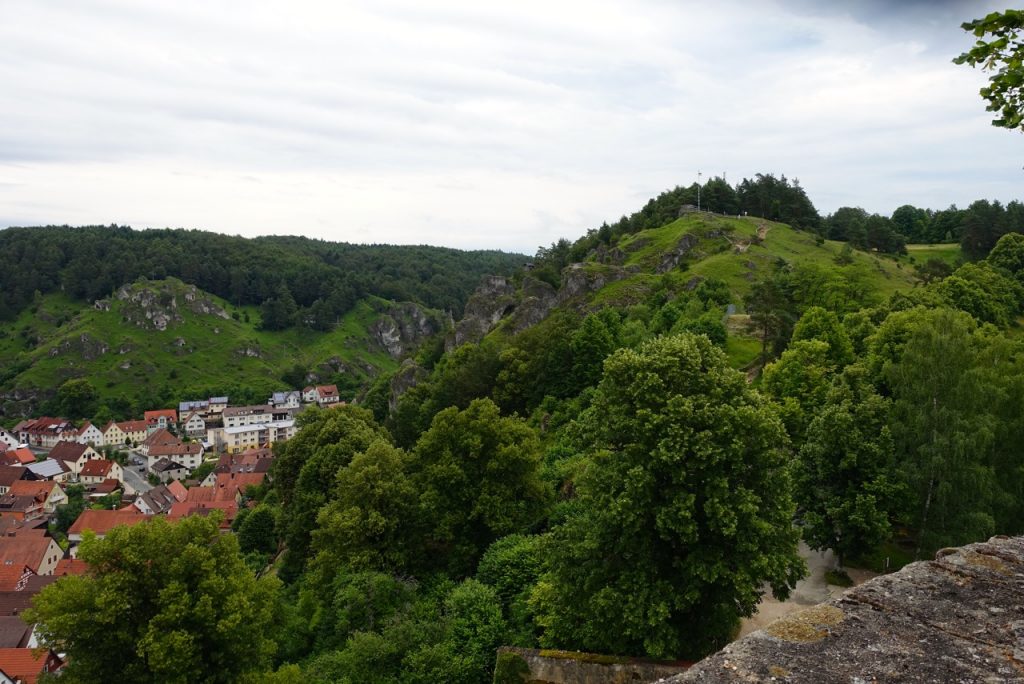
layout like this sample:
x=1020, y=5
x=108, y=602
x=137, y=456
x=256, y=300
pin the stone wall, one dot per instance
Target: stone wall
x=570, y=667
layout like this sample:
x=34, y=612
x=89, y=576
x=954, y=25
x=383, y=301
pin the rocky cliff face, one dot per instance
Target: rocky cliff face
x=492, y=301
x=157, y=305
x=402, y=327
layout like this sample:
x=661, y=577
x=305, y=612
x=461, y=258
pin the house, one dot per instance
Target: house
x=194, y=425
x=189, y=455
x=248, y=437
x=19, y=456
x=46, y=432
x=286, y=400
x=167, y=470
x=231, y=486
x=39, y=553
x=15, y=633
x=74, y=455
x=113, y=434
x=134, y=432
x=101, y=522
x=160, y=419
x=186, y=508
x=158, y=438
x=90, y=434
x=14, y=577
x=105, y=488
x=20, y=507
x=249, y=461
x=8, y=440
x=160, y=499
x=96, y=471
x=10, y=475
x=327, y=395
x=49, y=469
x=47, y=492
x=27, y=665
x=217, y=404
x=237, y=416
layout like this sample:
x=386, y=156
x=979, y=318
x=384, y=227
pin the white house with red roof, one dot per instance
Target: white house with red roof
x=90, y=434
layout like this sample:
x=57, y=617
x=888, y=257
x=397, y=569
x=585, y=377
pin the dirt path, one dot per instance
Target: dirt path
x=809, y=591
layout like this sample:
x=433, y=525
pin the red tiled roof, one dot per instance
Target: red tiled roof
x=177, y=490
x=27, y=664
x=37, y=489
x=97, y=467
x=11, y=576
x=24, y=550
x=132, y=426
x=22, y=456
x=229, y=484
x=71, y=566
x=153, y=416
x=327, y=390
x=161, y=437
x=102, y=522
x=178, y=449
x=198, y=494
x=186, y=508
x=108, y=486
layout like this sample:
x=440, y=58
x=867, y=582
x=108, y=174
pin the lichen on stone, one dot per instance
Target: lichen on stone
x=807, y=625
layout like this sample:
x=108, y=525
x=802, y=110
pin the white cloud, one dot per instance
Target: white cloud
x=476, y=125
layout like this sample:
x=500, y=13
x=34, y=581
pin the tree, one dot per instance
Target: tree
x=799, y=381
x=846, y=481
x=1002, y=54
x=77, y=398
x=684, y=514
x=371, y=523
x=186, y=608
x=477, y=474
x=819, y=324
x=258, y=531
x=1008, y=254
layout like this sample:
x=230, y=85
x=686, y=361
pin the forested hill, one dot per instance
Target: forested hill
x=298, y=279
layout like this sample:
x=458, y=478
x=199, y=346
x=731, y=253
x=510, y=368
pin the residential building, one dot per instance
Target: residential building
x=247, y=437
x=71, y=566
x=49, y=469
x=45, y=432
x=37, y=552
x=8, y=440
x=327, y=395
x=160, y=499
x=231, y=486
x=90, y=434
x=194, y=425
x=18, y=456
x=28, y=665
x=160, y=419
x=96, y=471
x=47, y=492
x=113, y=434
x=158, y=438
x=189, y=455
x=291, y=400
x=102, y=521
x=135, y=431
x=11, y=474
x=20, y=507
x=105, y=488
x=167, y=470
x=186, y=508
x=74, y=455
x=199, y=406
x=217, y=404
x=238, y=416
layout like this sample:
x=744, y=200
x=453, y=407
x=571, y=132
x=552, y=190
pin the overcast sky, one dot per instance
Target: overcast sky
x=478, y=124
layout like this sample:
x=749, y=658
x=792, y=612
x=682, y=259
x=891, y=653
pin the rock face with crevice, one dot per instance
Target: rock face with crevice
x=959, y=618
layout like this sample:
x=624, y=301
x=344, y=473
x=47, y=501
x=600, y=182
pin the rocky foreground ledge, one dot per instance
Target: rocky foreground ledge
x=959, y=618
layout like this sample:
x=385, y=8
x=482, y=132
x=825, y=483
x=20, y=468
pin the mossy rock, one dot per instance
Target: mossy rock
x=511, y=668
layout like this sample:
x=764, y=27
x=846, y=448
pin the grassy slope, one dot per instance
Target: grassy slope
x=951, y=254
x=728, y=250
x=213, y=355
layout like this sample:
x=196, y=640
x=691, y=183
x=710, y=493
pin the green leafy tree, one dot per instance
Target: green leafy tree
x=258, y=532
x=1008, y=254
x=1000, y=49
x=819, y=324
x=478, y=478
x=371, y=523
x=799, y=381
x=163, y=602
x=77, y=398
x=684, y=516
x=847, y=485
x=513, y=565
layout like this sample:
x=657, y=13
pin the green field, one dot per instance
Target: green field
x=949, y=253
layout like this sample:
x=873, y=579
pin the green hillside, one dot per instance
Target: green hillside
x=206, y=346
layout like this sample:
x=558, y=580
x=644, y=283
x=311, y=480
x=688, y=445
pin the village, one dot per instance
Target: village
x=199, y=458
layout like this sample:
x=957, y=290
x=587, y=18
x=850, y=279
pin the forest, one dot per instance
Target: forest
x=296, y=281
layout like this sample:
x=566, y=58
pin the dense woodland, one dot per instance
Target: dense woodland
x=296, y=280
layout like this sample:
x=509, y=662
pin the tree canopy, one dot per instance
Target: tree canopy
x=1000, y=50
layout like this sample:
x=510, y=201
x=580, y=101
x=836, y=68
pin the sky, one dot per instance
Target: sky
x=479, y=125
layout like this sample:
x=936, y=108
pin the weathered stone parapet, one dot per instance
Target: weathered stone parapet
x=528, y=666
x=959, y=618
